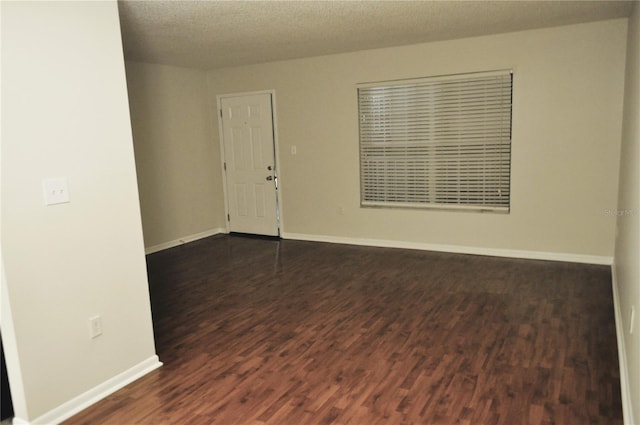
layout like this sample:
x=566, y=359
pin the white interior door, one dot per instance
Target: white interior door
x=247, y=131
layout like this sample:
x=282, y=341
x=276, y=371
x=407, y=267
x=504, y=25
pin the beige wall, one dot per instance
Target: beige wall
x=65, y=113
x=627, y=250
x=177, y=157
x=568, y=89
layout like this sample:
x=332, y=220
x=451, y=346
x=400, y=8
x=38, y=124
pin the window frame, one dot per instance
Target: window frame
x=431, y=187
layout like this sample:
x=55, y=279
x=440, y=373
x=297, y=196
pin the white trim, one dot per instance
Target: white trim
x=441, y=77
x=184, y=240
x=223, y=172
x=246, y=93
x=625, y=391
x=458, y=249
x=10, y=345
x=18, y=421
x=276, y=153
x=81, y=402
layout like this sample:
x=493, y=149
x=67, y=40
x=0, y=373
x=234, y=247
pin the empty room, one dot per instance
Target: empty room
x=308, y=212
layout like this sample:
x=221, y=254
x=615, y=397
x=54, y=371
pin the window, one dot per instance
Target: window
x=440, y=142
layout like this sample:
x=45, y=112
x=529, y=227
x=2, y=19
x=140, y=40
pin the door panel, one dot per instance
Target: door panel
x=247, y=124
x=259, y=193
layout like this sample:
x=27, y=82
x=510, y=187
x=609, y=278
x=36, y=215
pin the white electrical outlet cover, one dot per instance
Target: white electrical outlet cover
x=55, y=191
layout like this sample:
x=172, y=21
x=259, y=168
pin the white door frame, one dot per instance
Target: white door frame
x=276, y=153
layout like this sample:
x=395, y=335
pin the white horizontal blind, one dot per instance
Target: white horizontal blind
x=437, y=142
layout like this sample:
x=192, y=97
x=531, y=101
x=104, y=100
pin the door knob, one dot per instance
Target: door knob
x=269, y=178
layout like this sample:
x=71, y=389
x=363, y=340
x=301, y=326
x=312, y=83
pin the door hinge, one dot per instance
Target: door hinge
x=225, y=166
x=228, y=217
x=220, y=113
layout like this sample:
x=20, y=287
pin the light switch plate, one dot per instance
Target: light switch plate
x=55, y=191
x=95, y=326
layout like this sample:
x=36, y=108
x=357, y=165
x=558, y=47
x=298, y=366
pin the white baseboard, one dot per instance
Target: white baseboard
x=184, y=240
x=625, y=391
x=510, y=253
x=77, y=404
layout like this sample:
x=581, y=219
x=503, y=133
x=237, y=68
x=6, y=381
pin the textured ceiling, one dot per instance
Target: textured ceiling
x=216, y=34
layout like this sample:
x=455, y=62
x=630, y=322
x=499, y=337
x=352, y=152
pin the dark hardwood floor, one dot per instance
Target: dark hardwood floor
x=258, y=331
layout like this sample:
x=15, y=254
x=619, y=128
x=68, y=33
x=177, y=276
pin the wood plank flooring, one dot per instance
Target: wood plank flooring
x=258, y=331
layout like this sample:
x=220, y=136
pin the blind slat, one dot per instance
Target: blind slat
x=437, y=142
